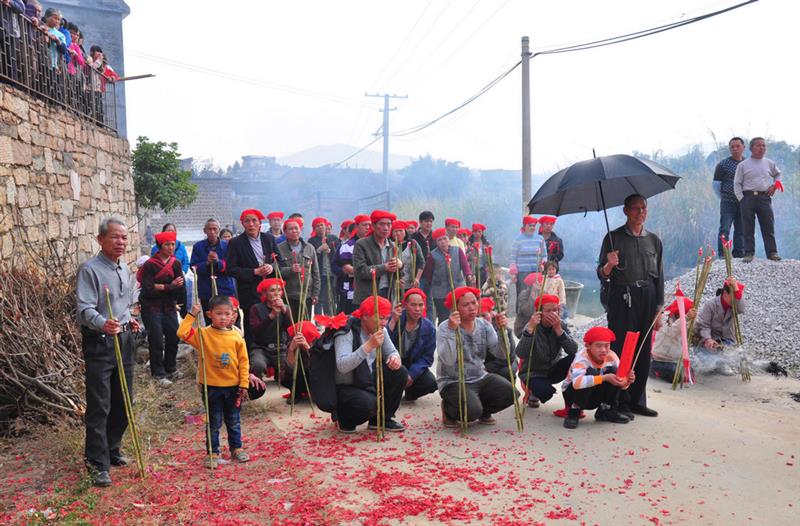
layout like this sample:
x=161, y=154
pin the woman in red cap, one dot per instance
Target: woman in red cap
x=162, y=288
x=299, y=264
x=553, y=243
x=355, y=347
x=527, y=254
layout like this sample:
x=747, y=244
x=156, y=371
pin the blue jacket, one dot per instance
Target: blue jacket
x=225, y=285
x=419, y=357
x=180, y=254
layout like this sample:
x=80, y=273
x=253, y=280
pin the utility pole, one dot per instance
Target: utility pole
x=527, y=192
x=385, y=131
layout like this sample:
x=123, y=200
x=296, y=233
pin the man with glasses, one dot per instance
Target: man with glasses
x=631, y=261
x=105, y=417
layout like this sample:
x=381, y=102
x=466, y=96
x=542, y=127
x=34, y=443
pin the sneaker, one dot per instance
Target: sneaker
x=164, y=382
x=487, y=420
x=534, y=402
x=101, y=479
x=610, y=415
x=573, y=417
x=175, y=375
x=748, y=258
x=118, y=460
x=447, y=421
x=644, y=410
x=240, y=455
x=347, y=430
x=774, y=257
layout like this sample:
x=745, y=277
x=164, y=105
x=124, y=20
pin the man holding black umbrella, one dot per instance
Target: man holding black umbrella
x=631, y=261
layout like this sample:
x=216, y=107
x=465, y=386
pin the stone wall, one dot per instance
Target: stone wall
x=59, y=177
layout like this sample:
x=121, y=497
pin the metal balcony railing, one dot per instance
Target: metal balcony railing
x=33, y=62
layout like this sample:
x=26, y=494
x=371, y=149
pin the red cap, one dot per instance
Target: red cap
x=346, y=223
x=547, y=219
x=415, y=290
x=672, y=309
x=254, y=212
x=529, y=220
x=319, y=221
x=413, y=223
x=478, y=226
x=307, y=329
x=265, y=284
x=534, y=277
x=399, y=225
x=545, y=299
x=464, y=232
x=599, y=334
x=362, y=218
x=234, y=302
x=451, y=221
x=487, y=305
x=274, y=215
x=439, y=232
x=378, y=215
x=459, y=292
x=294, y=221
x=367, y=307
x=163, y=237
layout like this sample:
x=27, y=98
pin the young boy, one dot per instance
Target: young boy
x=226, y=370
x=555, y=286
x=592, y=380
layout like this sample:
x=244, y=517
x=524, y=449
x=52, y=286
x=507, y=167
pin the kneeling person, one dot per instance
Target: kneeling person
x=355, y=369
x=592, y=380
x=415, y=337
x=487, y=393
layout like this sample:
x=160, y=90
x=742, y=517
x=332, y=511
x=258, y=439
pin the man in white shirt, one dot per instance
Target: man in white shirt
x=754, y=184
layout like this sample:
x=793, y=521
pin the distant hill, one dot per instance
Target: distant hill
x=333, y=153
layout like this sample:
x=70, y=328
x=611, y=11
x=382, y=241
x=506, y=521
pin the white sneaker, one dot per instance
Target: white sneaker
x=164, y=382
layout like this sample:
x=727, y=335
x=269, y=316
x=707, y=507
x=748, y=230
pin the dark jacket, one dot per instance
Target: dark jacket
x=199, y=260
x=497, y=365
x=342, y=257
x=367, y=256
x=164, y=301
x=426, y=243
x=546, y=352
x=420, y=356
x=555, y=247
x=333, y=243
x=242, y=261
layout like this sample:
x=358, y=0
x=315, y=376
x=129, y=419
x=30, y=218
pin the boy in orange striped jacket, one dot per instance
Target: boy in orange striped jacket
x=592, y=380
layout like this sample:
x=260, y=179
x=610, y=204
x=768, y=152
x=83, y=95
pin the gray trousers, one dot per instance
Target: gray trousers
x=759, y=206
x=489, y=395
x=105, y=417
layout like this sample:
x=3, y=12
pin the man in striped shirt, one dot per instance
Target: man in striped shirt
x=592, y=381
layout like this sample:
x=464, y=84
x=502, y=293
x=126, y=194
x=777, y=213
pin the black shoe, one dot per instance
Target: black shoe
x=573, y=417
x=345, y=429
x=774, y=257
x=394, y=425
x=624, y=409
x=101, y=479
x=117, y=460
x=610, y=415
x=643, y=410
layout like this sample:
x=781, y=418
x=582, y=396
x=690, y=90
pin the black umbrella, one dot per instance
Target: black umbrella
x=599, y=184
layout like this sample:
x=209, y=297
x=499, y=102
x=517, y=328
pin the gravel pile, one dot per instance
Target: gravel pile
x=771, y=323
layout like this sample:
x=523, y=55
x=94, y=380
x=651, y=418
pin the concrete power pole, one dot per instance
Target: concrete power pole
x=527, y=191
x=385, y=131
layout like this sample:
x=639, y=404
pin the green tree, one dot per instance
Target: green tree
x=158, y=180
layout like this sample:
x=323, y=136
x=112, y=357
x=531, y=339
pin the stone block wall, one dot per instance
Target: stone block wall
x=59, y=177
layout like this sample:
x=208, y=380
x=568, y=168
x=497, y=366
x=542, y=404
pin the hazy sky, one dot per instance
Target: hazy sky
x=309, y=64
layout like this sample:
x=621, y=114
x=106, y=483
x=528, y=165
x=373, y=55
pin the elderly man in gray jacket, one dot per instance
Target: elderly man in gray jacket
x=487, y=393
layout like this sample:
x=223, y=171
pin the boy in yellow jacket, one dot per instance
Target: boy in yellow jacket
x=227, y=370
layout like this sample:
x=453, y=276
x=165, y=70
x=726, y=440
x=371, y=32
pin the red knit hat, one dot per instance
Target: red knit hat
x=412, y=223
x=399, y=225
x=545, y=299
x=460, y=292
x=451, y=221
x=478, y=226
x=319, y=221
x=361, y=218
x=293, y=221
x=367, y=307
x=253, y=212
x=163, y=237
x=274, y=215
x=487, y=305
x=346, y=223
x=533, y=277
x=415, y=290
x=599, y=334
x=265, y=285
x=438, y=233
x=378, y=215
x=464, y=232
x=547, y=219
x=529, y=220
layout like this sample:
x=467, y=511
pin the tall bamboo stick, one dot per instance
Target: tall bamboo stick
x=462, y=383
x=202, y=355
x=380, y=418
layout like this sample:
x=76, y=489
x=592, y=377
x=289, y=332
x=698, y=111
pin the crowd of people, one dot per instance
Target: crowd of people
x=270, y=303
x=42, y=51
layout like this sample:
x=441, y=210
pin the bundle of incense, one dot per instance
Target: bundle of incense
x=462, y=383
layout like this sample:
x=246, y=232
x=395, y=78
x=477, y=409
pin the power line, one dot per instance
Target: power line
x=336, y=165
x=251, y=81
x=568, y=49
